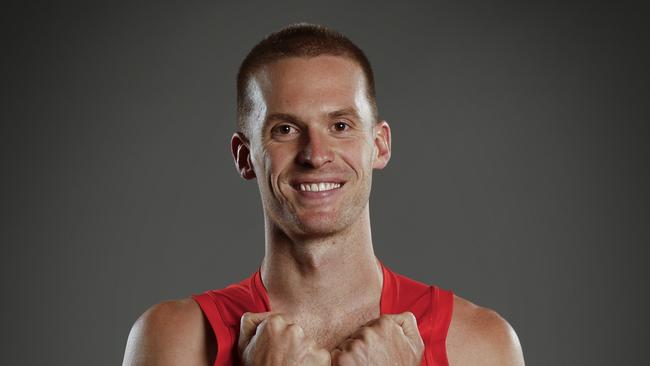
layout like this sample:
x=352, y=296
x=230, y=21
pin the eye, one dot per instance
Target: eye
x=284, y=129
x=341, y=126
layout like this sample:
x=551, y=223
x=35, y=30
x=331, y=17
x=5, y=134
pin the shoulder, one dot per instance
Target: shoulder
x=479, y=335
x=169, y=333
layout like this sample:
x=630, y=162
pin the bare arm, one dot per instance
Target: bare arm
x=500, y=344
x=480, y=336
x=170, y=333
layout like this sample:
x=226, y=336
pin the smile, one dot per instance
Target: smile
x=318, y=187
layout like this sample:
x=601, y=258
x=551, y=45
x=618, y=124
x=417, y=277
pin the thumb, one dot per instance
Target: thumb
x=248, y=326
x=409, y=325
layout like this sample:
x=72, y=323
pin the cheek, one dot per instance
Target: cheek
x=276, y=163
x=264, y=160
x=275, y=160
x=358, y=155
x=364, y=149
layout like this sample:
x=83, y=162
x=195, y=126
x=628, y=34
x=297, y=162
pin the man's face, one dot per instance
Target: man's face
x=313, y=143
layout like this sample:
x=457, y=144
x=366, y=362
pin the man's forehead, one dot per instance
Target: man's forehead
x=308, y=86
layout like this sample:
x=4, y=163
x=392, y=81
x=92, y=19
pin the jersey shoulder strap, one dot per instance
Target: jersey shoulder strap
x=432, y=307
x=442, y=303
x=224, y=308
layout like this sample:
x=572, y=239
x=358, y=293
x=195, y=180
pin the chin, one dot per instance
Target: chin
x=321, y=225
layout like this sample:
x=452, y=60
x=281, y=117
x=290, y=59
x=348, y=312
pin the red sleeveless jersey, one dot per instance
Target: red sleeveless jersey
x=431, y=305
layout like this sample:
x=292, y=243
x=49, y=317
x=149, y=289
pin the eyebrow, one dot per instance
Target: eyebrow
x=286, y=117
x=346, y=112
x=290, y=118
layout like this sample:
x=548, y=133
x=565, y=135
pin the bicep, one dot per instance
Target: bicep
x=170, y=333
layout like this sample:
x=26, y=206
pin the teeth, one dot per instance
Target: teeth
x=319, y=187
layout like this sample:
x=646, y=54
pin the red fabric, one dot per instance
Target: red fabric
x=431, y=305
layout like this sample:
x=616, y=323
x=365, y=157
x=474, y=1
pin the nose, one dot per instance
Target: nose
x=316, y=150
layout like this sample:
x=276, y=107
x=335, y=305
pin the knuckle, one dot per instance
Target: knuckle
x=275, y=322
x=294, y=331
x=275, y=317
x=410, y=317
x=384, y=322
x=246, y=317
x=322, y=356
x=373, y=322
x=367, y=333
x=384, y=319
x=344, y=359
x=357, y=346
x=279, y=318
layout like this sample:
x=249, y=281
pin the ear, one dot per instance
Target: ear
x=382, y=144
x=242, y=154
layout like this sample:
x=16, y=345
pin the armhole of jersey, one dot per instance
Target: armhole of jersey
x=443, y=303
x=219, y=328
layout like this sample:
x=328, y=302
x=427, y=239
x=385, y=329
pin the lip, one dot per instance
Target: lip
x=318, y=195
x=308, y=180
x=295, y=184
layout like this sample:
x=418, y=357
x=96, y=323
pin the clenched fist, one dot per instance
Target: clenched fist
x=387, y=340
x=271, y=339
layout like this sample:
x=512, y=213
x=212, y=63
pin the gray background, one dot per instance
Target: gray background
x=518, y=179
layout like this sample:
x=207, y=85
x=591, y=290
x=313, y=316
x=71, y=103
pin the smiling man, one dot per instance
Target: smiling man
x=309, y=133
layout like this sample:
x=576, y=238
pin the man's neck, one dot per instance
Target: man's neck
x=326, y=273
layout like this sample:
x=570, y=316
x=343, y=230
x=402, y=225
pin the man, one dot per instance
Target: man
x=309, y=133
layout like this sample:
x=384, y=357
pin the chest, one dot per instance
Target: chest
x=329, y=330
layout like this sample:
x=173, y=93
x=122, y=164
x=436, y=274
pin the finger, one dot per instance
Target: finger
x=335, y=356
x=342, y=358
x=409, y=325
x=354, y=346
x=318, y=357
x=346, y=345
x=350, y=352
x=294, y=330
x=367, y=333
x=248, y=325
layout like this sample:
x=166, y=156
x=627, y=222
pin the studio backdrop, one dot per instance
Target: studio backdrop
x=518, y=177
